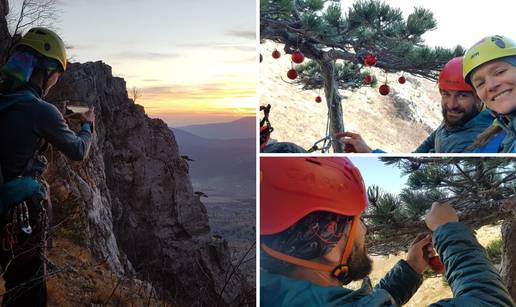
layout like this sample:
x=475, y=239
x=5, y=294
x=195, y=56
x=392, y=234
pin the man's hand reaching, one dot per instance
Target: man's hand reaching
x=353, y=142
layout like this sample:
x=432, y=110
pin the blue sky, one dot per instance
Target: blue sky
x=194, y=60
x=376, y=172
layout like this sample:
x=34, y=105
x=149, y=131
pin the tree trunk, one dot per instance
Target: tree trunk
x=5, y=37
x=333, y=100
x=509, y=255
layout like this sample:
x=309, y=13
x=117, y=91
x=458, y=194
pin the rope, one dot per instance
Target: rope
x=327, y=140
x=265, y=126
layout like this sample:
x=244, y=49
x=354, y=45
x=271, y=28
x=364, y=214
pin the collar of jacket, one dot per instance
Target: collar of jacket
x=480, y=118
x=34, y=89
x=507, y=122
x=27, y=87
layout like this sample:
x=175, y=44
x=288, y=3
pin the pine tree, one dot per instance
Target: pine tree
x=324, y=34
x=481, y=189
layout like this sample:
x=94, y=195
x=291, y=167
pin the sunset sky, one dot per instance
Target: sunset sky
x=194, y=60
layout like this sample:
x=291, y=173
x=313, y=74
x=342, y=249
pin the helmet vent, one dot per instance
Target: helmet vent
x=41, y=32
x=47, y=46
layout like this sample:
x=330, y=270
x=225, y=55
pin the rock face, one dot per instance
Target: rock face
x=134, y=197
x=131, y=202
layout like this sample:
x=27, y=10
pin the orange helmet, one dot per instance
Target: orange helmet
x=293, y=187
x=451, y=77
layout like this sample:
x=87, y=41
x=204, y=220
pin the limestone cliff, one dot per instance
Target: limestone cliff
x=132, y=201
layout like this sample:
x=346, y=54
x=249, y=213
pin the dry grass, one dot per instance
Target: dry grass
x=84, y=281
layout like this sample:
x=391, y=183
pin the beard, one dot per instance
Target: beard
x=359, y=267
x=467, y=115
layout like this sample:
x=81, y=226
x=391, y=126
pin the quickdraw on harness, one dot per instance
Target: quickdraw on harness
x=16, y=223
x=326, y=141
x=265, y=126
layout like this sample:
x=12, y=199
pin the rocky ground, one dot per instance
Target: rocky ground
x=396, y=123
x=75, y=278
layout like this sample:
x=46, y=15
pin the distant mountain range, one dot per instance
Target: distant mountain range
x=244, y=127
x=221, y=165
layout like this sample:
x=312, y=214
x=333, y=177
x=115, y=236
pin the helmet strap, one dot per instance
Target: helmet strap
x=46, y=77
x=296, y=261
x=339, y=271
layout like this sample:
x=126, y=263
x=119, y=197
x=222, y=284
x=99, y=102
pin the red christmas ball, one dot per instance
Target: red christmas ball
x=292, y=74
x=261, y=58
x=436, y=264
x=370, y=60
x=384, y=89
x=318, y=99
x=402, y=80
x=368, y=79
x=298, y=57
x=276, y=54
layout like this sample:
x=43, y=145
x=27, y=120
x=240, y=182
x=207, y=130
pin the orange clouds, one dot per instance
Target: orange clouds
x=215, y=101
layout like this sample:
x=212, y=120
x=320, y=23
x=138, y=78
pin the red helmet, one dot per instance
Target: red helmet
x=293, y=187
x=451, y=77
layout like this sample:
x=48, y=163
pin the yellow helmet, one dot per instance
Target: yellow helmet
x=488, y=49
x=47, y=43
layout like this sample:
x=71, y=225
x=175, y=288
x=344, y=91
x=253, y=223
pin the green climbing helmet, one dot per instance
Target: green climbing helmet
x=488, y=49
x=46, y=43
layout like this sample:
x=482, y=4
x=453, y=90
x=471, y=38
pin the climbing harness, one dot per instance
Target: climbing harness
x=17, y=222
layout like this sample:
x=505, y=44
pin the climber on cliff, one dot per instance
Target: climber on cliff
x=463, y=117
x=27, y=125
x=312, y=243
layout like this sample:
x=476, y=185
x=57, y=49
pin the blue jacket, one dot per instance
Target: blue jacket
x=493, y=145
x=396, y=288
x=472, y=277
x=508, y=124
x=29, y=121
x=456, y=139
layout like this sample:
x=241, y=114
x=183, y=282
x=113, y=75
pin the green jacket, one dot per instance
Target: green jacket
x=471, y=276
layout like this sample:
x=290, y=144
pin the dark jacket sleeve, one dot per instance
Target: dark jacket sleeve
x=52, y=126
x=470, y=274
x=401, y=282
x=428, y=144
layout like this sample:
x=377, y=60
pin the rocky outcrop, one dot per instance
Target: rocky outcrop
x=131, y=201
